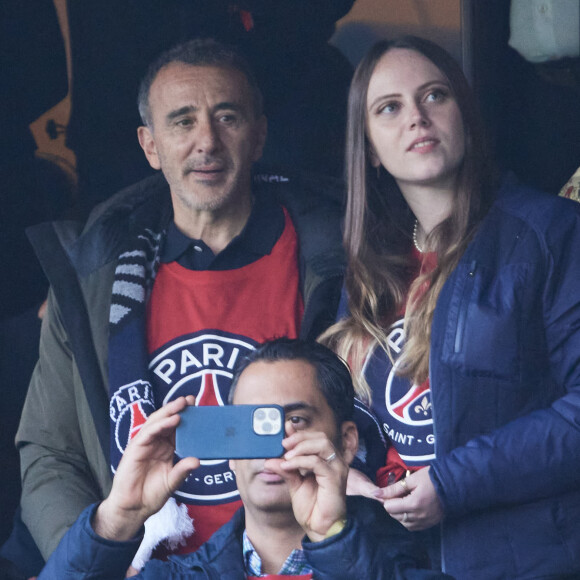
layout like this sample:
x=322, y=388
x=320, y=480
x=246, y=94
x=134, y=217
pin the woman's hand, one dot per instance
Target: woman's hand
x=359, y=484
x=413, y=501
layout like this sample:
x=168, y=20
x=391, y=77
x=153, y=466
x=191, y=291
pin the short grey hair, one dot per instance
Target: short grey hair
x=198, y=52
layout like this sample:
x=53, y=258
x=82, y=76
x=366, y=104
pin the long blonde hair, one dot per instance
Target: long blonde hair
x=378, y=229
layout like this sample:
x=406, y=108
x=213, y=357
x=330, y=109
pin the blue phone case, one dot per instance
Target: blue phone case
x=231, y=432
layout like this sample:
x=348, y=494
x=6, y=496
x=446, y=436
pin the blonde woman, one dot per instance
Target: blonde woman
x=462, y=324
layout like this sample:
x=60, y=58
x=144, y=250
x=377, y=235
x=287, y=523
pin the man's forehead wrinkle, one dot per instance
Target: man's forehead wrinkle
x=233, y=105
x=181, y=111
x=230, y=105
x=195, y=97
x=298, y=406
x=200, y=79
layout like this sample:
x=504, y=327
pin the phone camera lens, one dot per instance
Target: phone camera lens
x=266, y=427
x=273, y=415
x=260, y=414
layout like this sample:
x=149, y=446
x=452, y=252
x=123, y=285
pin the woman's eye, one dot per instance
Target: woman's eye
x=435, y=96
x=389, y=108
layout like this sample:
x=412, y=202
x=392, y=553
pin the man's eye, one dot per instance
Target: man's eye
x=184, y=122
x=227, y=119
x=298, y=422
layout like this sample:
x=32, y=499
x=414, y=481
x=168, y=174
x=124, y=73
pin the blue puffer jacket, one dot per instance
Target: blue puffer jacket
x=372, y=546
x=505, y=379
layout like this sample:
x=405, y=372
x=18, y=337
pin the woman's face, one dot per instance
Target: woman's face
x=413, y=121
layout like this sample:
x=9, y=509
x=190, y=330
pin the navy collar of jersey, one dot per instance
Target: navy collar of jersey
x=261, y=232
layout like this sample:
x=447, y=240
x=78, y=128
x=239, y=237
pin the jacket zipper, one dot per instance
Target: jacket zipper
x=463, y=307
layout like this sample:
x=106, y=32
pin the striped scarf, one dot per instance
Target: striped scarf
x=130, y=394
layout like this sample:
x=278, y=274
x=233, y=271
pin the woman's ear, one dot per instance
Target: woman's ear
x=373, y=158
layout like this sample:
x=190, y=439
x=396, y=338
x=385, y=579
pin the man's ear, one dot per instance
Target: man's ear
x=260, y=137
x=147, y=142
x=349, y=438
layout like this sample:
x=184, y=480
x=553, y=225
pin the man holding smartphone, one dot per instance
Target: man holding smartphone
x=169, y=284
x=296, y=521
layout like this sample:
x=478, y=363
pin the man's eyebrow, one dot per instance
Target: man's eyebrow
x=299, y=406
x=231, y=106
x=223, y=106
x=182, y=111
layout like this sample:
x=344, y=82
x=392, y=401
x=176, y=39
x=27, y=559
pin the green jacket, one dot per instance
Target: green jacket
x=63, y=436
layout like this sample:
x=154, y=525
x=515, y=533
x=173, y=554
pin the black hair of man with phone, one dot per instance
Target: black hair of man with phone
x=296, y=521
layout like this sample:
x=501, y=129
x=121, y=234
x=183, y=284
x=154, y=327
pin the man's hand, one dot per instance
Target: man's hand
x=414, y=503
x=315, y=473
x=146, y=476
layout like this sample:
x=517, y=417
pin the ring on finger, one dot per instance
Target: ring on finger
x=404, y=485
x=330, y=458
x=405, y=517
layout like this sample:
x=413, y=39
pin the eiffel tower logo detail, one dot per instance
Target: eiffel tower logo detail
x=138, y=418
x=209, y=393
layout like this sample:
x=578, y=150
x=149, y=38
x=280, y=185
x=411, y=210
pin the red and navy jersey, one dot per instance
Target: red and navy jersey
x=215, y=318
x=402, y=409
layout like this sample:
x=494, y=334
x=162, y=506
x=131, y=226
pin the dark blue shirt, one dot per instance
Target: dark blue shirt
x=263, y=229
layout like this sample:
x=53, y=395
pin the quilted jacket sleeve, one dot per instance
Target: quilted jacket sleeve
x=57, y=482
x=372, y=545
x=536, y=454
x=83, y=554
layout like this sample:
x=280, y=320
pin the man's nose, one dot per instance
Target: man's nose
x=206, y=136
x=289, y=428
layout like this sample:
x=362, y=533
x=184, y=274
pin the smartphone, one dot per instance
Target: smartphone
x=231, y=432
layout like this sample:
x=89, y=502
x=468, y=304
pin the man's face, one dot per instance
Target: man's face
x=293, y=385
x=204, y=136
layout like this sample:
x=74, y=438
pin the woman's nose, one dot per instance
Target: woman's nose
x=418, y=117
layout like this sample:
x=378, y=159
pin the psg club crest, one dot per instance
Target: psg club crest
x=406, y=411
x=202, y=365
x=129, y=408
x=411, y=406
x=410, y=423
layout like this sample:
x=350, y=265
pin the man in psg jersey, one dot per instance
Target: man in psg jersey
x=169, y=283
x=296, y=520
